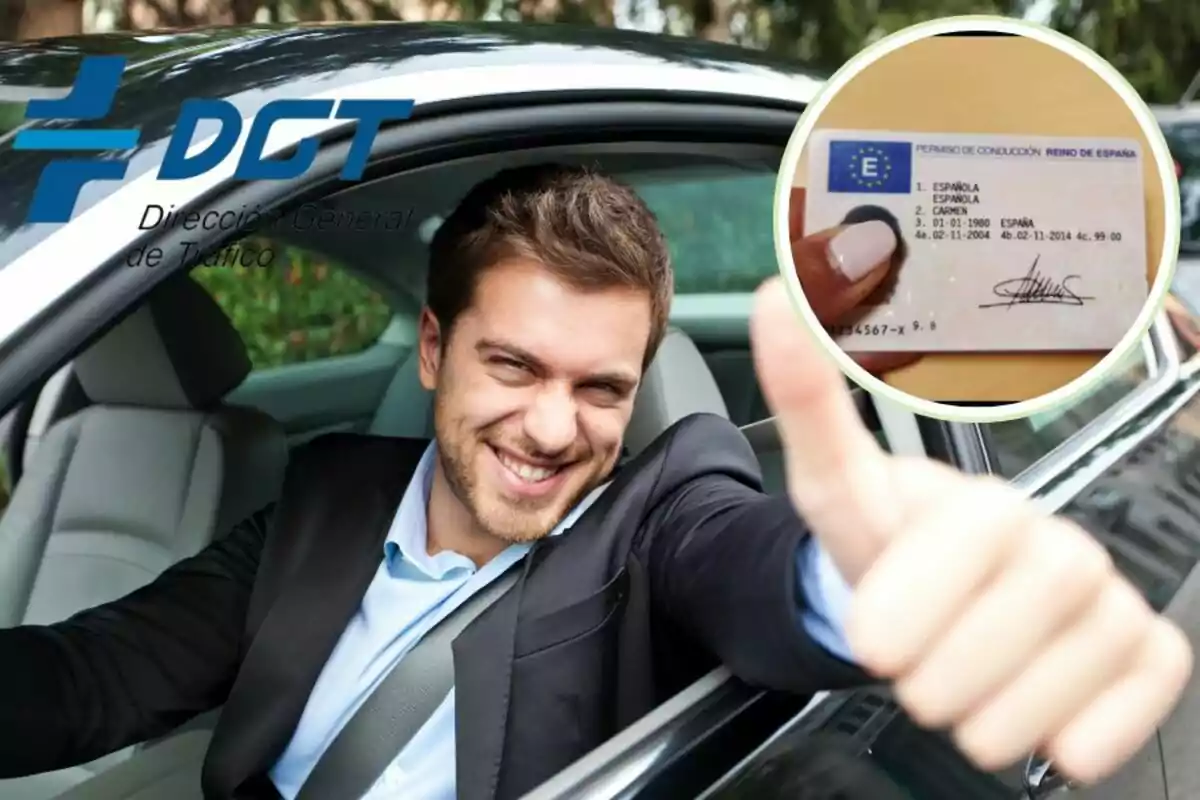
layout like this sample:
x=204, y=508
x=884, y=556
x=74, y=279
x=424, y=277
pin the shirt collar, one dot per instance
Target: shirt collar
x=406, y=539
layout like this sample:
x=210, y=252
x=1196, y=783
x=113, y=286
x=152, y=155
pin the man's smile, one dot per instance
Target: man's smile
x=527, y=478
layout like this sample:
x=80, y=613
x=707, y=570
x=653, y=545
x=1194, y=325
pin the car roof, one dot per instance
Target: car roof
x=251, y=65
x=285, y=50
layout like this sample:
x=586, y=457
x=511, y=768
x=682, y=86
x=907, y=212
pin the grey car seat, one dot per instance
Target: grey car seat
x=677, y=383
x=147, y=475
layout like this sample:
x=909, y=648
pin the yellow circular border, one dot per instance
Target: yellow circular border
x=1162, y=156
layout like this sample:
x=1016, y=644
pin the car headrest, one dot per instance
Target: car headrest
x=178, y=350
x=677, y=383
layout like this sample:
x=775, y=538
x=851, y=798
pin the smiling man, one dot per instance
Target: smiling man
x=314, y=625
x=518, y=473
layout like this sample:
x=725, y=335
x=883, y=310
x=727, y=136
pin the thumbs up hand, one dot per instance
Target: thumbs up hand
x=1006, y=626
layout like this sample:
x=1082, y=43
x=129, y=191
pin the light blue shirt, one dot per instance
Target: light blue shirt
x=411, y=592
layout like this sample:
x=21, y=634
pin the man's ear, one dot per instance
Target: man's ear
x=429, y=348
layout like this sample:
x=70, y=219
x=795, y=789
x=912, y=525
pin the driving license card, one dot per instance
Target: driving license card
x=1009, y=243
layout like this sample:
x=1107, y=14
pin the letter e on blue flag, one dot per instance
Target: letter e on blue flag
x=870, y=167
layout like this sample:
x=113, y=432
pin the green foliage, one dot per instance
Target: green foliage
x=1155, y=44
x=299, y=307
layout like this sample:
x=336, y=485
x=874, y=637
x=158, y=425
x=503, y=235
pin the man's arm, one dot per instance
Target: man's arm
x=132, y=669
x=724, y=566
x=826, y=598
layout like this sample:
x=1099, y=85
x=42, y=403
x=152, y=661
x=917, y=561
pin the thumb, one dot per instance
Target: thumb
x=840, y=266
x=838, y=477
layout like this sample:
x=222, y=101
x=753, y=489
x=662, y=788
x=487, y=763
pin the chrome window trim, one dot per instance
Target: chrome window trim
x=1157, y=353
x=1150, y=349
x=1163, y=367
x=899, y=426
x=1066, y=490
x=28, y=288
x=971, y=443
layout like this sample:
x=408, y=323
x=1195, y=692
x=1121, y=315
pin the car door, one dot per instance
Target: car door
x=1122, y=459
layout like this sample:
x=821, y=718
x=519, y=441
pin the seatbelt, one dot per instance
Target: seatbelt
x=402, y=703
x=405, y=699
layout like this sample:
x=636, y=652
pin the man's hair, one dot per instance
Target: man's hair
x=588, y=230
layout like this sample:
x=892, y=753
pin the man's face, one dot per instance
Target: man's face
x=534, y=389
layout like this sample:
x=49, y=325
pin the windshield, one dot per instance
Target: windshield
x=1183, y=137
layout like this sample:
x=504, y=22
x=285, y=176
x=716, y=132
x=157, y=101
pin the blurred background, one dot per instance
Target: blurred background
x=1155, y=43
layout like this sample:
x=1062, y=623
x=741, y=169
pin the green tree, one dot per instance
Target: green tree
x=37, y=19
x=826, y=34
x=1155, y=44
x=300, y=306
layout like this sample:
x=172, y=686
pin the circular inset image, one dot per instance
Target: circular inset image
x=979, y=218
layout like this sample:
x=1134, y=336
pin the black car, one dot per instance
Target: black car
x=98, y=490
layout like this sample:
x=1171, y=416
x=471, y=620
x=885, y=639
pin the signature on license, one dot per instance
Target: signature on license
x=1034, y=288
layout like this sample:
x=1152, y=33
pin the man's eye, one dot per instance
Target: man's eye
x=605, y=392
x=509, y=364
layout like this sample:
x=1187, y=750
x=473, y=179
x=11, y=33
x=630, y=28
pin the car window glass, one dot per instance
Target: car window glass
x=1018, y=444
x=718, y=223
x=300, y=306
x=719, y=228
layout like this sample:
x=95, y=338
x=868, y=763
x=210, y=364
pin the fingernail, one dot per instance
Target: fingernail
x=859, y=248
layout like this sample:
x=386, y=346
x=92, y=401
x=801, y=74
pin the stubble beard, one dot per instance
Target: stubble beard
x=513, y=520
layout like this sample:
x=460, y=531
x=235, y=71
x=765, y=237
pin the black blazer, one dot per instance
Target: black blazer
x=683, y=563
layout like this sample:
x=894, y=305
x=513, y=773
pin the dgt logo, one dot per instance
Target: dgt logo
x=91, y=98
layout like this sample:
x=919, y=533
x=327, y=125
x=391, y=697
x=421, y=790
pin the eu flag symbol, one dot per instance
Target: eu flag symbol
x=870, y=167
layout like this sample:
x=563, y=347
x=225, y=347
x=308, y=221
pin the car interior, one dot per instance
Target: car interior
x=199, y=422
x=201, y=434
